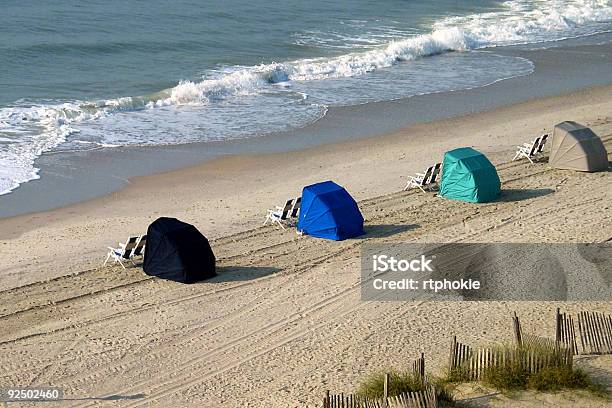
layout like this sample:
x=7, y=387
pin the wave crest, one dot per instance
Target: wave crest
x=27, y=131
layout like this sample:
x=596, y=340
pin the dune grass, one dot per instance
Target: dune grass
x=548, y=379
x=514, y=375
x=401, y=382
x=511, y=376
x=555, y=376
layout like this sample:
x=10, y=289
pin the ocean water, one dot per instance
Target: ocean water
x=88, y=74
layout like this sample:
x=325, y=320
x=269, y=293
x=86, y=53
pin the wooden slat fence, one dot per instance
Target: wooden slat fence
x=527, y=340
x=565, y=332
x=459, y=354
x=418, y=366
x=594, y=332
x=533, y=354
x=562, y=352
x=518, y=335
x=420, y=399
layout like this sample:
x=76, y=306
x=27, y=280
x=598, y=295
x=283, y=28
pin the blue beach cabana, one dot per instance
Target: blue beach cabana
x=468, y=175
x=328, y=211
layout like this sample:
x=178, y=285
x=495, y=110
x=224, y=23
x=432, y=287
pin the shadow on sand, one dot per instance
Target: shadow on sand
x=107, y=398
x=240, y=273
x=511, y=194
x=383, y=231
x=121, y=397
x=480, y=401
x=598, y=374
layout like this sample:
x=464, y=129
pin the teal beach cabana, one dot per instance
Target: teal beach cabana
x=468, y=175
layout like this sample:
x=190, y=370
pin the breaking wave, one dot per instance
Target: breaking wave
x=28, y=130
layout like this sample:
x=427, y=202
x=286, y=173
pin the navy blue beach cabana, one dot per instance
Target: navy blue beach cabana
x=328, y=211
x=177, y=251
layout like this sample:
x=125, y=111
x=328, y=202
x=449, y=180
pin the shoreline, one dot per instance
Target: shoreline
x=74, y=177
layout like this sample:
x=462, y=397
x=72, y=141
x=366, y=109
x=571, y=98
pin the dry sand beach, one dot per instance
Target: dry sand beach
x=283, y=321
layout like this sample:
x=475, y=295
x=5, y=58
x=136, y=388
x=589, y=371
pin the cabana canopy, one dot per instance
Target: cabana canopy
x=328, y=211
x=468, y=175
x=177, y=251
x=576, y=147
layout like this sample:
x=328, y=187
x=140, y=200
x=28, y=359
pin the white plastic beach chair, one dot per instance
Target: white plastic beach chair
x=291, y=209
x=424, y=180
x=531, y=150
x=124, y=252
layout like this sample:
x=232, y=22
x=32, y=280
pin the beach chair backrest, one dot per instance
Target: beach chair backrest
x=535, y=146
x=434, y=174
x=542, y=143
x=140, y=247
x=129, y=247
x=427, y=176
x=286, y=209
x=296, y=207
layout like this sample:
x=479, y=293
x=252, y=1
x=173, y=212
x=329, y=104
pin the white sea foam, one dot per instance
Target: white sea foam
x=521, y=22
x=28, y=131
